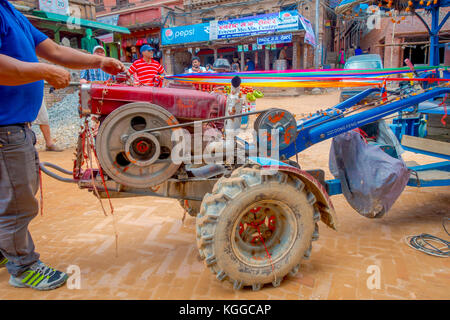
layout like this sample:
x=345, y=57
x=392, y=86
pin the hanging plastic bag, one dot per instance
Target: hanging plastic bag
x=371, y=180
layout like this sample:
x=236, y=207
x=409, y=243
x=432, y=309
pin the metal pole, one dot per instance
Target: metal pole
x=434, y=38
x=204, y=121
x=316, y=51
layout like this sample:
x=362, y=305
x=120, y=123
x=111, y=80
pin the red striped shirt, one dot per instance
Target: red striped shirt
x=146, y=71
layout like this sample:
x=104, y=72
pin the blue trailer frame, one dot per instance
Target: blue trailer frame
x=332, y=122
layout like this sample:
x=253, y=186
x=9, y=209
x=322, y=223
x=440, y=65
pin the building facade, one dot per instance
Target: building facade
x=191, y=31
x=394, y=39
x=142, y=18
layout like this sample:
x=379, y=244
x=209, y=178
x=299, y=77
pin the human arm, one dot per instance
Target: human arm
x=14, y=72
x=74, y=59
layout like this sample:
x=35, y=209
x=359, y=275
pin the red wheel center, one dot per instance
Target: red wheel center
x=142, y=146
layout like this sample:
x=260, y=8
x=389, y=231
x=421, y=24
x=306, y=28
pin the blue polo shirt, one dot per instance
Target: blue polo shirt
x=18, y=39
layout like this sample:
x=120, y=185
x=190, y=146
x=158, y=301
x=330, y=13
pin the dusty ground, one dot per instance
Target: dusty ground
x=157, y=255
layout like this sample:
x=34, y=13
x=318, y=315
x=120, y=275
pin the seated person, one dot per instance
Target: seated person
x=147, y=69
x=95, y=74
x=196, y=67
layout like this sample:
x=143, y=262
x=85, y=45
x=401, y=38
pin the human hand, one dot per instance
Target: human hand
x=112, y=66
x=83, y=81
x=57, y=77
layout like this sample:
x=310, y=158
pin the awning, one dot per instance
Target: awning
x=82, y=22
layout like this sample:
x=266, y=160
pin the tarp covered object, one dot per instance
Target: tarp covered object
x=371, y=180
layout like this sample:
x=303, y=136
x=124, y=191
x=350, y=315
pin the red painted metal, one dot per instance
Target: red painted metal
x=184, y=104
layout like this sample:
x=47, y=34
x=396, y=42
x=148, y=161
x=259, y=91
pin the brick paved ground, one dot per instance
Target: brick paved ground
x=158, y=259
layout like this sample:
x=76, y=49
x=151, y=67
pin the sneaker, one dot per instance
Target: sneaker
x=53, y=148
x=3, y=262
x=40, y=277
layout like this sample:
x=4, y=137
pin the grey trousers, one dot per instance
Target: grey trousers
x=19, y=182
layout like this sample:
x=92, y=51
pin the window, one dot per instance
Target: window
x=99, y=6
x=289, y=7
x=207, y=19
x=121, y=2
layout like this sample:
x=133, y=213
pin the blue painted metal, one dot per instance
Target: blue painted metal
x=432, y=183
x=323, y=127
x=431, y=154
x=334, y=187
x=443, y=166
x=434, y=37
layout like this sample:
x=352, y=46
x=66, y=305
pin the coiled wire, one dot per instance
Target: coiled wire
x=423, y=242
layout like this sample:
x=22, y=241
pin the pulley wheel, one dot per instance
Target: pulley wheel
x=130, y=156
x=282, y=121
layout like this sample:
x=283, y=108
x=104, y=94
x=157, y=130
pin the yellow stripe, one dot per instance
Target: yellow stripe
x=38, y=280
x=34, y=278
x=30, y=273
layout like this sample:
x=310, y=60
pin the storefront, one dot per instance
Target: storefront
x=70, y=31
x=145, y=27
x=259, y=38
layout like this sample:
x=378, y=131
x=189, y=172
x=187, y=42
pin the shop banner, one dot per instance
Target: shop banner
x=282, y=38
x=55, y=6
x=309, y=35
x=106, y=38
x=112, y=19
x=185, y=34
x=254, y=25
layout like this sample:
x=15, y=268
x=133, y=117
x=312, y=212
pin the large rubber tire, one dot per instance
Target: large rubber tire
x=219, y=227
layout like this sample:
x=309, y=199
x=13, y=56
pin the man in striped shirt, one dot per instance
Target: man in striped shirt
x=146, y=69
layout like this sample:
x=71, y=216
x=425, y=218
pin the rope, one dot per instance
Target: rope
x=91, y=150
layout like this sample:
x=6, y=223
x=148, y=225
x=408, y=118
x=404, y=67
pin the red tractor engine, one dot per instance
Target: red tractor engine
x=126, y=152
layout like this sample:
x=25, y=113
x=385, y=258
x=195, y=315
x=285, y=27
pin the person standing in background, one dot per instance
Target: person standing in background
x=43, y=122
x=249, y=65
x=341, y=58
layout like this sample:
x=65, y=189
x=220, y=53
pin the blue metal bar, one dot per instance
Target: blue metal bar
x=434, y=38
x=307, y=136
x=443, y=21
x=331, y=112
x=356, y=98
x=431, y=183
x=333, y=128
x=428, y=153
x=443, y=166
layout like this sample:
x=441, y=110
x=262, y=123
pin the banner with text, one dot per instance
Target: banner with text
x=55, y=6
x=185, y=34
x=254, y=25
x=279, y=38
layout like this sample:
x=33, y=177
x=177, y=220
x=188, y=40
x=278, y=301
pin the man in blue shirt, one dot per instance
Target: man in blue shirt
x=21, y=93
x=249, y=65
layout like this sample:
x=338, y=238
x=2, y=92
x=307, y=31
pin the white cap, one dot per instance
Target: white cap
x=98, y=47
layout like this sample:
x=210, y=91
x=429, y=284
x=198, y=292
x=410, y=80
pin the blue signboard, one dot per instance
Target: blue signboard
x=185, y=34
x=254, y=25
x=112, y=19
x=279, y=38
